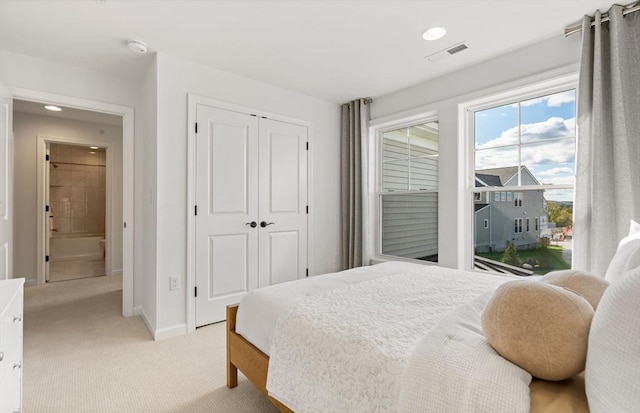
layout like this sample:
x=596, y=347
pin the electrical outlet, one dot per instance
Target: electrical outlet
x=174, y=282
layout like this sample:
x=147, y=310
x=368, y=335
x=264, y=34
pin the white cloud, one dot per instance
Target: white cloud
x=552, y=100
x=556, y=171
x=551, y=128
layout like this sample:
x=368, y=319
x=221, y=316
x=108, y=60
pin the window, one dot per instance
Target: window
x=524, y=153
x=517, y=199
x=408, y=191
x=486, y=223
x=518, y=226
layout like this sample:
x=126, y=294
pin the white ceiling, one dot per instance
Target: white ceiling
x=335, y=50
x=67, y=113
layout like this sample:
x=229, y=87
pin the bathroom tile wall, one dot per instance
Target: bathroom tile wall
x=77, y=189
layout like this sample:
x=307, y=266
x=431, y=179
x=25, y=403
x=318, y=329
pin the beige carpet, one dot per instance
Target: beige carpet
x=81, y=355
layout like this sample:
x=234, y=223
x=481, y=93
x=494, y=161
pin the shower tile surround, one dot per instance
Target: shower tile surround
x=77, y=192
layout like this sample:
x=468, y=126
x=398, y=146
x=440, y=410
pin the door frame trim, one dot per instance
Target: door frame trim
x=128, y=138
x=42, y=140
x=193, y=100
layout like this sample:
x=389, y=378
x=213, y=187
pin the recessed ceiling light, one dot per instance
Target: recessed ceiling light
x=53, y=108
x=94, y=147
x=137, y=46
x=434, y=33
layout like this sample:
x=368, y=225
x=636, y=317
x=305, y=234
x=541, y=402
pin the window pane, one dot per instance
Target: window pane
x=549, y=117
x=549, y=162
x=395, y=144
x=496, y=126
x=410, y=225
x=424, y=173
x=541, y=230
x=395, y=175
x=490, y=159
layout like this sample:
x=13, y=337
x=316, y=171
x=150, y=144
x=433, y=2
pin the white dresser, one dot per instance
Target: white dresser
x=11, y=294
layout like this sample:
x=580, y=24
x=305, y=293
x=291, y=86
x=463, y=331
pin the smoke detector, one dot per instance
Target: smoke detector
x=137, y=46
x=449, y=51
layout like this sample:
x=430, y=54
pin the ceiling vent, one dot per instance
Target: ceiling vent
x=449, y=51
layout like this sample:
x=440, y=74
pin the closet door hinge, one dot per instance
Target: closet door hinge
x=196, y=291
x=46, y=258
x=307, y=145
x=307, y=272
x=307, y=209
x=196, y=210
x=46, y=208
x=196, y=127
x=47, y=157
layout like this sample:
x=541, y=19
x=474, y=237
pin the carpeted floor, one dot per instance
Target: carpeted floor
x=81, y=355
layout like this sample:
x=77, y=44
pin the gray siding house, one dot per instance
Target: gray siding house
x=508, y=215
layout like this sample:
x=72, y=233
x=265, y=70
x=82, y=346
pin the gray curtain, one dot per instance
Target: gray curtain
x=608, y=155
x=355, y=120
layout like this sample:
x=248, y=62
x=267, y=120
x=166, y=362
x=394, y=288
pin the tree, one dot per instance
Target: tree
x=510, y=255
x=560, y=213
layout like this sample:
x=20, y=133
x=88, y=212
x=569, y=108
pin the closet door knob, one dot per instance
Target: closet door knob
x=266, y=224
x=252, y=224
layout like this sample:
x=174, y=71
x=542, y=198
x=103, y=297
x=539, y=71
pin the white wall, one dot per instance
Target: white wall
x=145, y=282
x=176, y=78
x=26, y=129
x=446, y=92
x=31, y=73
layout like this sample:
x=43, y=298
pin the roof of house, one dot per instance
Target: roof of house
x=478, y=207
x=489, y=180
x=497, y=176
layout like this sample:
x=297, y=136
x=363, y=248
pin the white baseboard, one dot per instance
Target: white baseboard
x=116, y=272
x=163, y=333
x=168, y=332
x=30, y=281
x=139, y=311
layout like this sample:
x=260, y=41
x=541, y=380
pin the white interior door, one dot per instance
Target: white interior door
x=6, y=178
x=48, y=217
x=283, y=202
x=227, y=203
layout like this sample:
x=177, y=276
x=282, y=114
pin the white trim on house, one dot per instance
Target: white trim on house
x=530, y=87
x=42, y=141
x=127, y=113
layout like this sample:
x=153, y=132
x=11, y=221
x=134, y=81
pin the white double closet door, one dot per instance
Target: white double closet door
x=251, y=196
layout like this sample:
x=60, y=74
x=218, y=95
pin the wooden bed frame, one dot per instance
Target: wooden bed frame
x=244, y=356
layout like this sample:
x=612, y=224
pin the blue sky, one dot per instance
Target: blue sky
x=547, y=133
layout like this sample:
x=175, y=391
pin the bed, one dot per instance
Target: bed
x=421, y=332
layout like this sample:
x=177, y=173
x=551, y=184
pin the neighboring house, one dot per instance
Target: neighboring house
x=508, y=216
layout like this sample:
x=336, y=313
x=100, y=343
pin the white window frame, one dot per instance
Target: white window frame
x=466, y=112
x=517, y=226
x=375, y=181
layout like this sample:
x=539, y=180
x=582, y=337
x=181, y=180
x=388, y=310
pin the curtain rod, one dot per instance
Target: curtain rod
x=568, y=31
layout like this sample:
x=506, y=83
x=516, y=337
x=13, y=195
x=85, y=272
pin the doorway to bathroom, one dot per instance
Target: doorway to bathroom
x=75, y=198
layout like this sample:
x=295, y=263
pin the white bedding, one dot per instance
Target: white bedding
x=259, y=310
x=344, y=350
x=454, y=369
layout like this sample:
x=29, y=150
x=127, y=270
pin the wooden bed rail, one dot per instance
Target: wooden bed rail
x=244, y=356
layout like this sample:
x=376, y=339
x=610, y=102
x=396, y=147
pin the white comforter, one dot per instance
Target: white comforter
x=344, y=350
x=454, y=369
x=259, y=310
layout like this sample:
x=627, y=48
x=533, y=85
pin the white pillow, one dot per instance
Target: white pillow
x=612, y=373
x=627, y=256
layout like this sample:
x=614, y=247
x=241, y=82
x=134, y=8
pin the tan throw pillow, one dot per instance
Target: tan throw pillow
x=587, y=285
x=539, y=327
